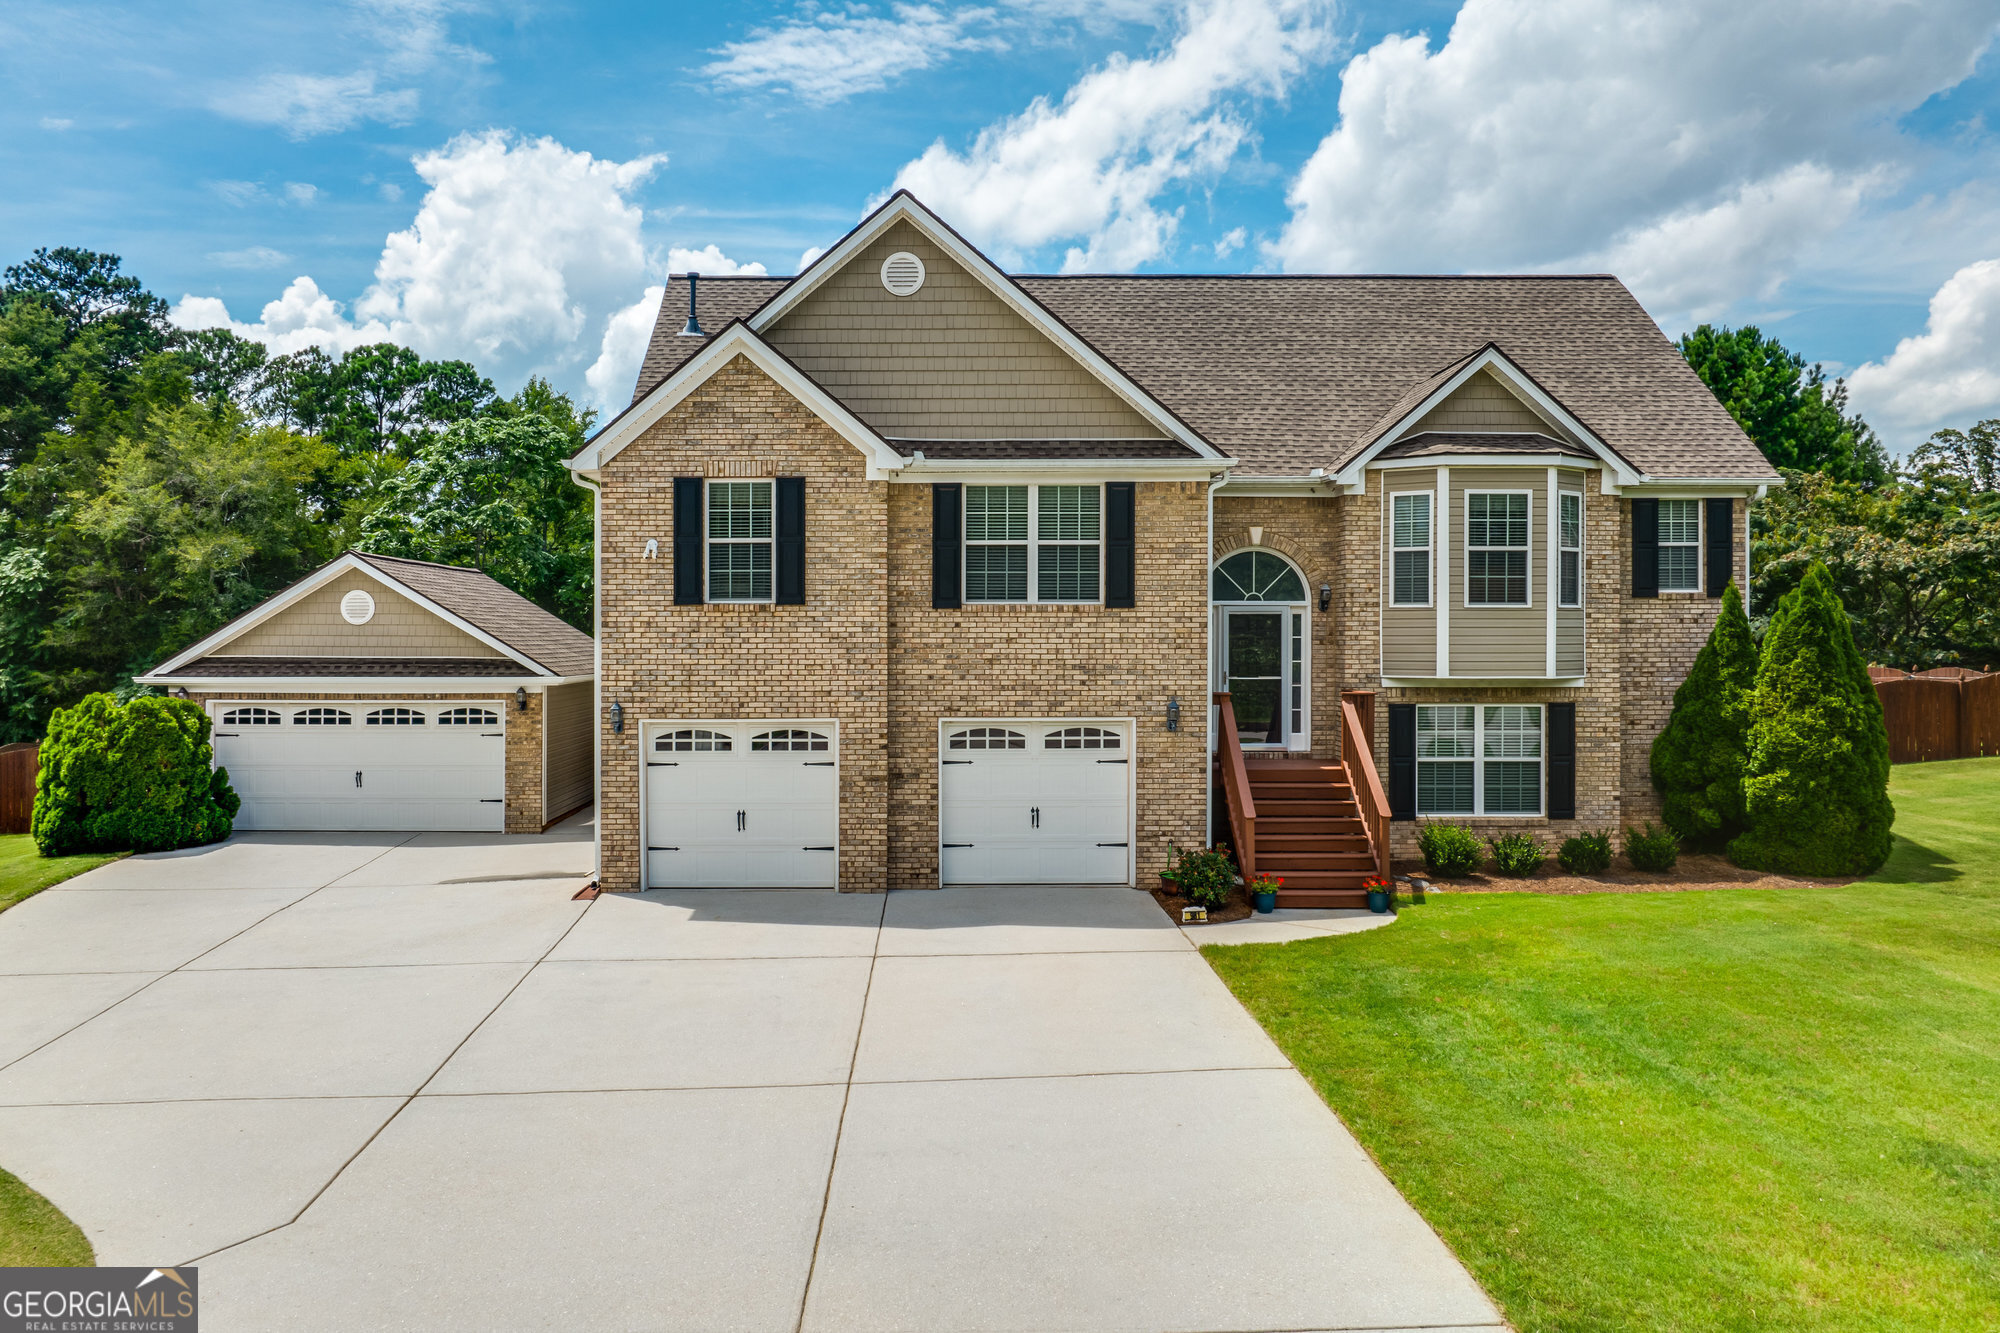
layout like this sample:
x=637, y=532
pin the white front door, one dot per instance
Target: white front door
x=742, y=805
x=365, y=764
x=1035, y=803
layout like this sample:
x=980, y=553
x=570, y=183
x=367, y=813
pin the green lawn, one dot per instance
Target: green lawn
x=33, y=1232
x=1716, y=1110
x=25, y=872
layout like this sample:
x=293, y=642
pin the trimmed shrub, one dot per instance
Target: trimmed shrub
x=1450, y=850
x=1518, y=854
x=1816, y=788
x=1698, y=760
x=130, y=777
x=1202, y=877
x=1652, y=849
x=1585, y=853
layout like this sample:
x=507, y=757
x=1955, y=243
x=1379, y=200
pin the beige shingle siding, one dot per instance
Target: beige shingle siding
x=313, y=627
x=1409, y=633
x=567, y=784
x=1483, y=403
x=1500, y=640
x=951, y=361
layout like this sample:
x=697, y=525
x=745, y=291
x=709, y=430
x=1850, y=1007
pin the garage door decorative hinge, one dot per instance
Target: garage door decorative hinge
x=815, y=849
x=1114, y=844
x=958, y=844
x=958, y=761
x=818, y=763
x=663, y=849
x=490, y=800
x=1111, y=761
x=661, y=763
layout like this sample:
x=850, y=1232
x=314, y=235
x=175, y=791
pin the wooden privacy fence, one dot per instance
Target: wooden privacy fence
x=18, y=766
x=1945, y=713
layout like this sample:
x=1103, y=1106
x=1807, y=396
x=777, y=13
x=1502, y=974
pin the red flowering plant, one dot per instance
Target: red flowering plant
x=1266, y=883
x=1378, y=884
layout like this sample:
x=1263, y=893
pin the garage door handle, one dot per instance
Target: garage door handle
x=1114, y=844
x=357, y=778
x=958, y=844
x=1111, y=761
x=815, y=849
x=1035, y=816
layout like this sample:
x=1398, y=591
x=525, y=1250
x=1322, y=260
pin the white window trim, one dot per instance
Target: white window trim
x=1429, y=549
x=1700, y=532
x=1465, y=532
x=1478, y=761
x=1562, y=550
x=1035, y=543
x=708, y=483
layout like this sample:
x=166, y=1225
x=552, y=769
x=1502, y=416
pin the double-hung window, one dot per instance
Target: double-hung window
x=1483, y=759
x=1680, y=546
x=739, y=541
x=1496, y=548
x=1034, y=543
x=1570, y=510
x=1410, y=544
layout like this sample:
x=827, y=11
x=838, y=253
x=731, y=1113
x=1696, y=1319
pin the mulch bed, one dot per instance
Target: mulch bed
x=1695, y=871
x=1235, y=909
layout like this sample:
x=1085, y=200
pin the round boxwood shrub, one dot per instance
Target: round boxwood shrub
x=1698, y=760
x=1652, y=848
x=130, y=777
x=1585, y=853
x=1518, y=854
x=1450, y=850
x=1202, y=877
x=1816, y=788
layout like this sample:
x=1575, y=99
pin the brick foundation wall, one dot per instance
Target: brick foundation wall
x=826, y=659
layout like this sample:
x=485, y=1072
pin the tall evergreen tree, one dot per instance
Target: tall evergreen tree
x=1798, y=419
x=1698, y=760
x=1816, y=789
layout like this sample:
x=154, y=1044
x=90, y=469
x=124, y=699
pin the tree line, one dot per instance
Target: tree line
x=156, y=482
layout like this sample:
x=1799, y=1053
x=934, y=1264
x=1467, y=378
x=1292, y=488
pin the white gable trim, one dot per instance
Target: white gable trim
x=312, y=582
x=736, y=340
x=1619, y=473
x=903, y=207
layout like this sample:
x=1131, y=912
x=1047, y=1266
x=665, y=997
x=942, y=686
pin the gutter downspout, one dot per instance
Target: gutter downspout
x=597, y=680
x=1208, y=704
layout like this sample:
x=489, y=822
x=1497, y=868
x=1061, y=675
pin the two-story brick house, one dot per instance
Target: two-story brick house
x=914, y=572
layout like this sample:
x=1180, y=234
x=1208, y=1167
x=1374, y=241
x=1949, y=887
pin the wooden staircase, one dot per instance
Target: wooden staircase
x=1321, y=826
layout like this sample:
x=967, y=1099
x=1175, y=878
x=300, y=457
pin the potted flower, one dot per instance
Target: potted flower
x=1264, y=892
x=1379, y=893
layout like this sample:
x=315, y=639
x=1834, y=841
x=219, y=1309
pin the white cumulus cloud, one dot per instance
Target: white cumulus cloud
x=709, y=259
x=830, y=55
x=1948, y=375
x=520, y=255
x=1700, y=146
x=1093, y=167
x=621, y=351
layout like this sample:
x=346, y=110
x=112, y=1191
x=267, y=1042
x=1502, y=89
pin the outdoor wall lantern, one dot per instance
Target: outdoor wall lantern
x=1325, y=596
x=618, y=718
x=1174, y=713
x=521, y=697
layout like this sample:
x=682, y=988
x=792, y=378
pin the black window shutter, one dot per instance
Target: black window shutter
x=947, y=544
x=1721, y=524
x=687, y=541
x=1120, y=546
x=1645, y=548
x=1402, y=761
x=1562, y=761
x=791, y=534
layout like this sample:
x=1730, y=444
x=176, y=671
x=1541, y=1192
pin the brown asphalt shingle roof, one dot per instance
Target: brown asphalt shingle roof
x=1291, y=373
x=497, y=609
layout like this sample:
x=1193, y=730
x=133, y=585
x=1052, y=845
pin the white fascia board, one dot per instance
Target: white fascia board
x=904, y=207
x=1016, y=470
x=387, y=686
x=1694, y=488
x=1540, y=462
x=1273, y=487
x=1469, y=682
x=736, y=340
x=312, y=582
x=1517, y=380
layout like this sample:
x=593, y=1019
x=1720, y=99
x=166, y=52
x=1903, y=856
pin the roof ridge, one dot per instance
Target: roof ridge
x=413, y=560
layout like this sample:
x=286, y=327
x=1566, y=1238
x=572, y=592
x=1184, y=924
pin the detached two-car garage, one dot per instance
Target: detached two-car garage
x=749, y=803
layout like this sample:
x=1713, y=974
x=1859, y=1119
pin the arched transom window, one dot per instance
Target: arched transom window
x=693, y=739
x=395, y=717
x=251, y=717
x=787, y=739
x=987, y=738
x=1257, y=576
x=468, y=717
x=1081, y=738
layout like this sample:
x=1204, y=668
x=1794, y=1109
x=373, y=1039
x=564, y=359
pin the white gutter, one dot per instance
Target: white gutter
x=597, y=661
x=1208, y=704
x=384, y=685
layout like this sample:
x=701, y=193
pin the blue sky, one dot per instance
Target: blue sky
x=504, y=181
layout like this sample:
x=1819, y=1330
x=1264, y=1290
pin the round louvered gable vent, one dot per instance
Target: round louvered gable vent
x=357, y=608
x=902, y=273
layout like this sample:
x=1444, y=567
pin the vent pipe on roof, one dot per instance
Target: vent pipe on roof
x=693, y=329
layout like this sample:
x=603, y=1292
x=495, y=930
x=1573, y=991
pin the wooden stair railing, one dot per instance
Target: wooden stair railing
x=1236, y=786
x=1357, y=757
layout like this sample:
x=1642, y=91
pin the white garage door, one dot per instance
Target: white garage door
x=1035, y=803
x=742, y=805
x=365, y=765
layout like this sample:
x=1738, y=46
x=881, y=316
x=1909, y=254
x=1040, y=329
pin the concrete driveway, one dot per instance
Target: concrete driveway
x=394, y=1081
